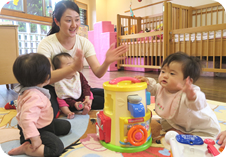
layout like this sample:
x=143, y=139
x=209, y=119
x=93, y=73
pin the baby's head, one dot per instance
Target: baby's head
x=62, y=60
x=176, y=68
x=32, y=69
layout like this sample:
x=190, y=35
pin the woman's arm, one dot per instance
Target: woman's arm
x=113, y=54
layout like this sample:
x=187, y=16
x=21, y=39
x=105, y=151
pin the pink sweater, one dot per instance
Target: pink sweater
x=34, y=111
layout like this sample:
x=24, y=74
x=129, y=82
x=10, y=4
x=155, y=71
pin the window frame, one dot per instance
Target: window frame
x=6, y=13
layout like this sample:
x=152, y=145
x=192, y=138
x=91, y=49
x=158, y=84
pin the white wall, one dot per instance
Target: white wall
x=107, y=10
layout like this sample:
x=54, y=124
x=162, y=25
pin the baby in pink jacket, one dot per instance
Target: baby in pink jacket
x=38, y=130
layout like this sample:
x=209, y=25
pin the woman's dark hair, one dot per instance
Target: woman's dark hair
x=56, y=59
x=31, y=69
x=60, y=8
x=191, y=66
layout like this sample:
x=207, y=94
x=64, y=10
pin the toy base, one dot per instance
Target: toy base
x=127, y=149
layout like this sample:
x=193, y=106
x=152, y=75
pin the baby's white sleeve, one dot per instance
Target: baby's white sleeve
x=153, y=86
x=200, y=101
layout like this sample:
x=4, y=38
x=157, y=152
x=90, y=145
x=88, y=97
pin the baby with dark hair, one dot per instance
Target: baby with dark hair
x=38, y=130
x=179, y=102
x=73, y=91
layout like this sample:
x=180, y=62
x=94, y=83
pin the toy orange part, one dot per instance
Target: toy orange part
x=137, y=135
x=221, y=149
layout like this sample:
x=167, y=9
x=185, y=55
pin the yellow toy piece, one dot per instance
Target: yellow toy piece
x=15, y=2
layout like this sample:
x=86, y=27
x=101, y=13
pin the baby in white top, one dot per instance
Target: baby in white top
x=179, y=102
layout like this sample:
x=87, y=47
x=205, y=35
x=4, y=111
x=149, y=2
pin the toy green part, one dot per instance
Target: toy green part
x=127, y=149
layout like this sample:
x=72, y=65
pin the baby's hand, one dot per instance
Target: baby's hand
x=142, y=79
x=70, y=115
x=222, y=139
x=187, y=88
x=88, y=101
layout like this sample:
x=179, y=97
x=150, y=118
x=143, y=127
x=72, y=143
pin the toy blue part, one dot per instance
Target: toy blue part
x=217, y=142
x=136, y=110
x=189, y=139
x=148, y=98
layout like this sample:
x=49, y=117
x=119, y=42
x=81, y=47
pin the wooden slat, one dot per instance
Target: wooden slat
x=206, y=6
x=200, y=29
x=133, y=36
x=213, y=11
x=142, y=66
x=201, y=18
x=221, y=49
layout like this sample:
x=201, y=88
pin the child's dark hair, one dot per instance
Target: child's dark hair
x=56, y=59
x=31, y=69
x=191, y=66
x=60, y=8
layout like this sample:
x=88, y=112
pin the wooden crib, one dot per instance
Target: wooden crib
x=182, y=31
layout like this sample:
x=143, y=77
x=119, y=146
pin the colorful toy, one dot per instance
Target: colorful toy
x=15, y=2
x=81, y=106
x=124, y=124
x=191, y=145
x=131, y=11
x=11, y=105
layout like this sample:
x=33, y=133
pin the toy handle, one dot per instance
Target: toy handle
x=119, y=79
x=212, y=150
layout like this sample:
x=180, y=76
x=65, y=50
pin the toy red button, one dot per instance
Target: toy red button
x=209, y=141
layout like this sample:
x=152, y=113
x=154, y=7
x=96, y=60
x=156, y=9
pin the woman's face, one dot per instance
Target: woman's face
x=69, y=23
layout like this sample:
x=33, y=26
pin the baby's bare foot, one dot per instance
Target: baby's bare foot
x=71, y=115
x=86, y=109
x=19, y=150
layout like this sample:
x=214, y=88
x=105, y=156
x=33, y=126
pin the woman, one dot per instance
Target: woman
x=62, y=38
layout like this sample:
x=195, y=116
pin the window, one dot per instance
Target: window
x=31, y=33
x=83, y=16
x=43, y=8
x=18, y=7
x=35, y=7
x=83, y=12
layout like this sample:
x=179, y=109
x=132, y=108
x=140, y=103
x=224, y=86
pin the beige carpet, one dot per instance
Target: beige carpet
x=89, y=146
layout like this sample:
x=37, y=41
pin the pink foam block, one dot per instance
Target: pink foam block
x=103, y=26
x=106, y=39
x=91, y=36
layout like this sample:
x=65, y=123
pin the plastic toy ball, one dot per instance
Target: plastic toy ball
x=169, y=135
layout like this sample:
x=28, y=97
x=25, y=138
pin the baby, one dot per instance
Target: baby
x=38, y=130
x=179, y=102
x=73, y=92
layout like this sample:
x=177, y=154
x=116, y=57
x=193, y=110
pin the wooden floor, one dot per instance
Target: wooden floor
x=213, y=87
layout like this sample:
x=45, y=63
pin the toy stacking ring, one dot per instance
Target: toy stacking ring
x=137, y=135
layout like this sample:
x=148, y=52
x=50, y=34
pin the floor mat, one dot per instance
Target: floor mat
x=89, y=145
x=9, y=134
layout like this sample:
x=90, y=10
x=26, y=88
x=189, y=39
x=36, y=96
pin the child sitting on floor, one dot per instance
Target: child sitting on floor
x=180, y=103
x=72, y=91
x=38, y=130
